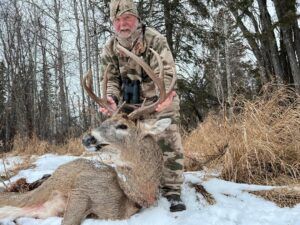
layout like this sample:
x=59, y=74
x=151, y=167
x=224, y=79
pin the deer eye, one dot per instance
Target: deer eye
x=122, y=126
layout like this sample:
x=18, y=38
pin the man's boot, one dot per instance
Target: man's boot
x=176, y=203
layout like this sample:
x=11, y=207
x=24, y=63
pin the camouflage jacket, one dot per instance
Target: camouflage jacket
x=124, y=67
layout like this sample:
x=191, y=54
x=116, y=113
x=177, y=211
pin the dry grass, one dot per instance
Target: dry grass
x=72, y=147
x=261, y=144
x=25, y=164
x=205, y=194
x=206, y=144
x=283, y=197
x=35, y=146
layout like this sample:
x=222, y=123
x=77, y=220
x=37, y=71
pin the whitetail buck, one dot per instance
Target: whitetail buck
x=113, y=190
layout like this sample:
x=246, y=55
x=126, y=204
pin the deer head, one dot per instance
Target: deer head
x=131, y=149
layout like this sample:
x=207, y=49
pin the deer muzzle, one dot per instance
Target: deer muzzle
x=91, y=144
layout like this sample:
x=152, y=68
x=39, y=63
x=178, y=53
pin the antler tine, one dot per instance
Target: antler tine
x=87, y=85
x=105, y=80
x=159, y=81
x=151, y=108
x=160, y=65
x=119, y=109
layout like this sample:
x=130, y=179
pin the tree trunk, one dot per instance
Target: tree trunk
x=88, y=64
x=252, y=41
x=218, y=79
x=282, y=10
x=297, y=39
x=80, y=63
x=287, y=39
x=228, y=69
x=168, y=22
x=59, y=67
x=269, y=37
x=169, y=8
x=45, y=105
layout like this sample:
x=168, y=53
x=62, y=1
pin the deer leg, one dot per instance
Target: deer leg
x=76, y=209
x=54, y=206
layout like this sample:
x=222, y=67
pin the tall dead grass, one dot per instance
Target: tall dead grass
x=27, y=147
x=260, y=144
x=35, y=146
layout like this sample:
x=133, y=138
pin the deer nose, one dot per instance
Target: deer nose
x=88, y=140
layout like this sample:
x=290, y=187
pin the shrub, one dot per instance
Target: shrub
x=260, y=144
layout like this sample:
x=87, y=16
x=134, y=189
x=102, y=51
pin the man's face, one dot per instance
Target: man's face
x=125, y=25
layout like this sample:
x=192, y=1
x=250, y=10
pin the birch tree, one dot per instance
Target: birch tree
x=60, y=68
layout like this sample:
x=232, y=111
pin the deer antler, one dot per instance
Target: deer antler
x=87, y=85
x=159, y=81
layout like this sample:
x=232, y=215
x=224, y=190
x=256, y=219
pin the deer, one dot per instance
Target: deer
x=115, y=188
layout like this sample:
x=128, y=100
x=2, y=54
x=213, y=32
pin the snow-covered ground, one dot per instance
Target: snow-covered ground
x=234, y=205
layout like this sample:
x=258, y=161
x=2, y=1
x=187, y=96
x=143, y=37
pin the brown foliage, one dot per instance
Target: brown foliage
x=283, y=197
x=25, y=164
x=35, y=146
x=22, y=186
x=206, y=195
x=260, y=144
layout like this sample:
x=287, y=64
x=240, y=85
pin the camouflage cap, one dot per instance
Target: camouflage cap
x=118, y=7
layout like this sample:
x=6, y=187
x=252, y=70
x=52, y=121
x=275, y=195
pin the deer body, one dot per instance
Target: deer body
x=113, y=190
x=83, y=186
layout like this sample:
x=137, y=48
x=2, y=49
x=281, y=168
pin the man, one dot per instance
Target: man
x=125, y=74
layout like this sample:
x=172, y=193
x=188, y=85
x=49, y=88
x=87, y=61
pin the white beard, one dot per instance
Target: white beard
x=130, y=41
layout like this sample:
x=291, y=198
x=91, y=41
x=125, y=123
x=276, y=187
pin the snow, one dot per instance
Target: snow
x=234, y=205
x=9, y=163
x=45, y=164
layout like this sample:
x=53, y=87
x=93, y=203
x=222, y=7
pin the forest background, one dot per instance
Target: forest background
x=224, y=50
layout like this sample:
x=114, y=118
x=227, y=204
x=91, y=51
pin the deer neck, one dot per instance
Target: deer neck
x=139, y=173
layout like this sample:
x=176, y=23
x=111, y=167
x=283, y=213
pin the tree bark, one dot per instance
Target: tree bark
x=269, y=37
x=169, y=7
x=88, y=64
x=80, y=63
x=59, y=66
x=253, y=43
x=286, y=26
x=227, y=68
x=218, y=79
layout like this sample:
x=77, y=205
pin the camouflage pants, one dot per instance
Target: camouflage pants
x=170, y=143
x=171, y=146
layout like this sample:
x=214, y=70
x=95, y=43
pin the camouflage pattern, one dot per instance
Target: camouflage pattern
x=118, y=7
x=170, y=143
x=123, y=67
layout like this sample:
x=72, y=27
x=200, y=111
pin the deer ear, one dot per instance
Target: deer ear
x=158, y=127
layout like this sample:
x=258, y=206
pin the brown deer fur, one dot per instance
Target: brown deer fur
x=116, y=189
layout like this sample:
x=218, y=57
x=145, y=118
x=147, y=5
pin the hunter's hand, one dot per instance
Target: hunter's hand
x=112, y=104
x=165, y=104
